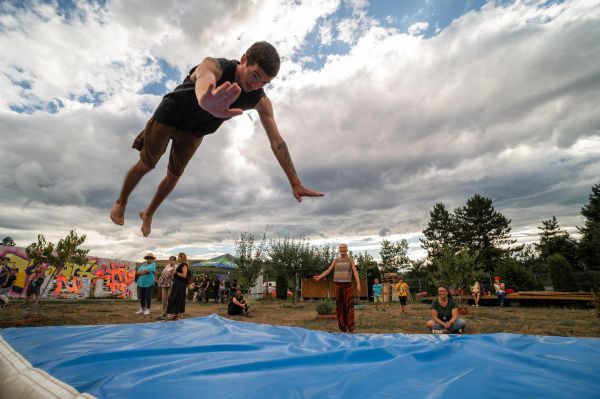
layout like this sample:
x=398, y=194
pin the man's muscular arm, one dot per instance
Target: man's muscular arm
x=214, y=100
x=280, y=149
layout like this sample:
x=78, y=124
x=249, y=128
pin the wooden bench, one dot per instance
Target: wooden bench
x=515, y=298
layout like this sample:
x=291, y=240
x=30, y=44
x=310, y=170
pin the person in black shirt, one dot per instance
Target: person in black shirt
x=213, y=92
x=237, y=304
x=444, y=313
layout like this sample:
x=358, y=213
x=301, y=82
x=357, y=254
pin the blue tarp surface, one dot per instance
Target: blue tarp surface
x=220, y=358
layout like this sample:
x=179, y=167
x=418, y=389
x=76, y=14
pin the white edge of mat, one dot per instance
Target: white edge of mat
x=19, y=379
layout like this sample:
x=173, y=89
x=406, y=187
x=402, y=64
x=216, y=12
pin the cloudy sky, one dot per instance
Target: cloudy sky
x=387, y=108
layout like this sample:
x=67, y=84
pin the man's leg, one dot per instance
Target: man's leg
x=133, y=177
x=164, y=189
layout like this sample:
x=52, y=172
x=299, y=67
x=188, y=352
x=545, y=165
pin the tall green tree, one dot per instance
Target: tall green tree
x=457, y=269
x=479, y=227
x=9, y=242
x=590, y=236
x=562, y=275
x=288, y=258
x=528, y=257
x=394, y=256
x=439, y=231
x=554, y=240
x=364, y=263
x=249, y=258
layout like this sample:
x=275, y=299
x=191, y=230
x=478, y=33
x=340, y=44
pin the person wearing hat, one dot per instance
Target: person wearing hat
x=145, y=281
x=500, y=289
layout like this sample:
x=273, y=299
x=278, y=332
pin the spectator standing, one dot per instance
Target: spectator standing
x=145, y=281
x=216, y=286
x=476, y=293
x=176, y=306
x=403, y=292
x=377, y=290
x=36, y=279
x=165, y=282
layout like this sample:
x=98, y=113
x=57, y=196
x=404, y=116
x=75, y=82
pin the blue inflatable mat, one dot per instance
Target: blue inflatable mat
x=220, y=358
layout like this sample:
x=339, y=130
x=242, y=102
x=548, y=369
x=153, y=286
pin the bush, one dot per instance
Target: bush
x=561, y=273
x=282, y=287
x=515, y=276
x=326, y=307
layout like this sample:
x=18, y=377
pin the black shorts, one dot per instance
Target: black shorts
x=402, y=300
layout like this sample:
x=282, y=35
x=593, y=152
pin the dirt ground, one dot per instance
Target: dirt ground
x=579, y=322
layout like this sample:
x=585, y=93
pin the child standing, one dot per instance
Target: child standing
x=403, y=292
x=377, y=293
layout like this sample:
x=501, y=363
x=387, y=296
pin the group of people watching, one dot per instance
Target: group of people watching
x=401, y=289
x=174, y=282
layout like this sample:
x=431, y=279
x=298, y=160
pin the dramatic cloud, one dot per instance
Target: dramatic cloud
x=504, y=102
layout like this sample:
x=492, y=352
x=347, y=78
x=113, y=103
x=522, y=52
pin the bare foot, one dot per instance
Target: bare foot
x=117, y=214
x=146, y=223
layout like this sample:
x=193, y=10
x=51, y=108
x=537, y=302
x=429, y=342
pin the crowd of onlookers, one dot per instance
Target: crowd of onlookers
x=175, y=284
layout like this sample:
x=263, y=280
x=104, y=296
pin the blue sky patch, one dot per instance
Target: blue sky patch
x=169, y=72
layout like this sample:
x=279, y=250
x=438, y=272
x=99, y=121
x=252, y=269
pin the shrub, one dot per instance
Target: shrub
x=326, y=307
x=561, y=273
x=516, y=276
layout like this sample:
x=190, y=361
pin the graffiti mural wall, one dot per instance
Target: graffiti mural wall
x=98, y=278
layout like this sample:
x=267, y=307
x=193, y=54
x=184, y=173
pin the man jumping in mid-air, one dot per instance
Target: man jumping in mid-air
x=214, y=91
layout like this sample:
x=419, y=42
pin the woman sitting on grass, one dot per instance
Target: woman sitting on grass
x=445, y=315
x=238, y=305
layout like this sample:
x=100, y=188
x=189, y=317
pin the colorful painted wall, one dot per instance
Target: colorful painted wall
x=98, y=278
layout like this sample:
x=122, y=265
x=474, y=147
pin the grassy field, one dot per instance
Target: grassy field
x=578, y=322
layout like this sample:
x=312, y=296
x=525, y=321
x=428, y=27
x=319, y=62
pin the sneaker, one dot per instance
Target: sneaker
x=459, y=331
x=433, y=331
x=147, y=311
x=140, y=311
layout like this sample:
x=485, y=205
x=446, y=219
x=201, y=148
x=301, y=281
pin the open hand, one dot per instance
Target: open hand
x=301, y=191
x=218, y=100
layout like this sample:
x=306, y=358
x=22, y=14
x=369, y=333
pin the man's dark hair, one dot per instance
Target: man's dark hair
x=266, y=56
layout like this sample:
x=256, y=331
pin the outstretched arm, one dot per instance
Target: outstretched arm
x=325, y=273
x=215, y=100
x=265, y=111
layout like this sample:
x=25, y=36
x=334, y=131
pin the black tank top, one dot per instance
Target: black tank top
x=180, y=108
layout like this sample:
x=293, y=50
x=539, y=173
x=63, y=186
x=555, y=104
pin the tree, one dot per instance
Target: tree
x=291, y=258
x=554, y=240
x=40, y=250
x=249, y=258
x=394, y=256
x=67, y=251
x=9, y=242
x=479, y=227
x=590, y=237
x=364, y=263
x=458, y=269
x=438, y=233
x=562, y=275
x=529, y=258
